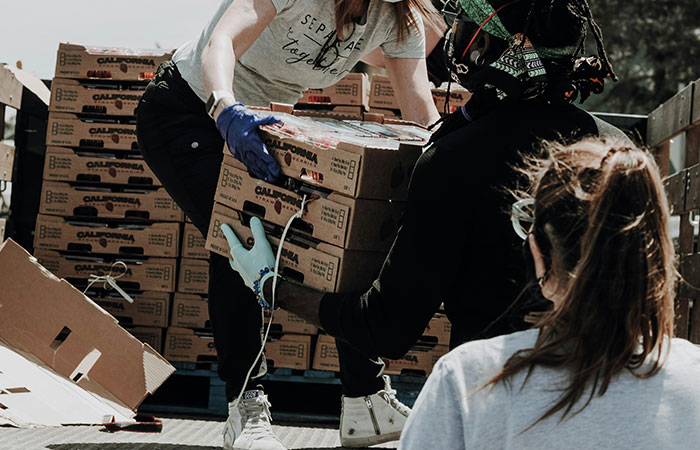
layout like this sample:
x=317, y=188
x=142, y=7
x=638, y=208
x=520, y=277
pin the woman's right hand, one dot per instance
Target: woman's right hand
x=239, y=127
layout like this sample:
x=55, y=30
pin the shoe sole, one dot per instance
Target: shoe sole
x=371, y=440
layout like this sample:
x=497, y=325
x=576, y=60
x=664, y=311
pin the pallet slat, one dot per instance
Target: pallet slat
x=675, y=189
x=671, y=117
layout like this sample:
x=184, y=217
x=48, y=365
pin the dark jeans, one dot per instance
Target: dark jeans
x=181, y=144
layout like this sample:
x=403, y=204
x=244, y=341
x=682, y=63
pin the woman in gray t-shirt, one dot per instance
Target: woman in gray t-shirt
x=251, y=53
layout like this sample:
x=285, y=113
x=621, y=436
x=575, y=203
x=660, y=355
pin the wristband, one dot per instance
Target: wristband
x=259, y=284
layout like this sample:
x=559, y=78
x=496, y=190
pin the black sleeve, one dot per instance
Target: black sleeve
x=389, y=317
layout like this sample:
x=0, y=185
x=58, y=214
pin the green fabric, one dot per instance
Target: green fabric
x=479, y=11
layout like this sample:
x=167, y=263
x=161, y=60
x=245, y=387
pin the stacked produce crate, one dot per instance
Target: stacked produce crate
x=351, y=178
x=102, y=211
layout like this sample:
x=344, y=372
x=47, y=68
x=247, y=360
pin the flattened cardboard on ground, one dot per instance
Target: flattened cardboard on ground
x=146, y=274
x=362, y=172
x=57, y=233
x=81, y=62
x=292, y=351
x=287, y=322
x=190, y=311
x=193, y=276
x=72, y=96
x=66, y=164
x=152, y=336
x=150, y=308
x=48, y=318
x=352, y=90
x=187, y=345
x=350, y=223
x=326, y=354
x=63, y=199
x=381, y=93
x=7, y=161
x=193, y=243
x=34, y=395
x=316, y=264
x=69, y=130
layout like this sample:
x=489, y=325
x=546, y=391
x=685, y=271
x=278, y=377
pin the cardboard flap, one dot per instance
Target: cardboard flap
x=47, y=317
x=12, y=82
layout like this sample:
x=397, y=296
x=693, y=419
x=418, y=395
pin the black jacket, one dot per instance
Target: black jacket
x=456, y=245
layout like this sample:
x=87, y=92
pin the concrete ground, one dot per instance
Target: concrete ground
x=177, y=434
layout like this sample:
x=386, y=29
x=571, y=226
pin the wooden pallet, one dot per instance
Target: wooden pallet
x=678, y=119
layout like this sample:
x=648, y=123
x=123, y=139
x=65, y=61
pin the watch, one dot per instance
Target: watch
x=215, y=98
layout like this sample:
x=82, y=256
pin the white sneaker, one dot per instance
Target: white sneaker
x=372, y=419
x=248, y=424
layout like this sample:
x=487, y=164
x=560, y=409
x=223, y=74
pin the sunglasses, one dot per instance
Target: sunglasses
x=522, y=216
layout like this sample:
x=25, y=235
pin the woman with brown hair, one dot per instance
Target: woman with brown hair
x=600, y=369
x=251, y=53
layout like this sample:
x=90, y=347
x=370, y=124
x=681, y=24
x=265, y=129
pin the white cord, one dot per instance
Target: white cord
x=297, y=215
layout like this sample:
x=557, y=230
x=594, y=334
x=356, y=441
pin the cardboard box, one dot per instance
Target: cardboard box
x=145, y=274
x=316, y=264
x=187, y=345
x=332, y=112
x=292, y=351
x=381, y=93
x=64, y=199
x=391, y=113
x=438, y=330
x=7, y=161
x=48, y=319
x=193, y=243
x=152, y=336
x=66, y=164
x=352, y=90
x=72, y=96
x=57, y=233
x=81, y=62
x=287, y=322
x=190, y=311
x=3, y=224
x=357, y=224
x=357, y=171
x=326, y=354
x=150, y=308
x=69, y=130
x=458, y=97
x=193, y=276
x=418, y=360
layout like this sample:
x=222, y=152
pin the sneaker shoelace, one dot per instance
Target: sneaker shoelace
x=258, y=413
x=390, y=396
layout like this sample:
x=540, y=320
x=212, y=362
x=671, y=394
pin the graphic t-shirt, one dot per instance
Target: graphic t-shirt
x=279, y=65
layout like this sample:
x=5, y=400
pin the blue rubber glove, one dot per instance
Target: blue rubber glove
x=239, y=127
x=256, y=265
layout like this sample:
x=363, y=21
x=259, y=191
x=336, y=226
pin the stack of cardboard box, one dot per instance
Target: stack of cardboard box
x=100, y=202
x=350, y=178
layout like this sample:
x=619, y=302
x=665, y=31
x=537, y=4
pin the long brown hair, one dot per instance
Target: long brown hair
x=405, y=14
x=601, y=222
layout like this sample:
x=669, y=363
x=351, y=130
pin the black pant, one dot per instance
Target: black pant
x=181, y=144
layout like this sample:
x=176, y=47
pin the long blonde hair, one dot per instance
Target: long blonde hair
x=405, y=14
x=601, y=217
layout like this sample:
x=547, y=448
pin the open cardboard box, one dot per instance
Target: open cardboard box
x=70, y=130
x=64, y=360
x=72, y=96
x=66, y=164
x=316, y=264
x=350, y=223
x=64, y=199
x=81, y=62
x=57, y=233
x=141, y=274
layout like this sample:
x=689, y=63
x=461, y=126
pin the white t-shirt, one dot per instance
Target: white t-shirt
x=279, y=64
x=661, y=412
